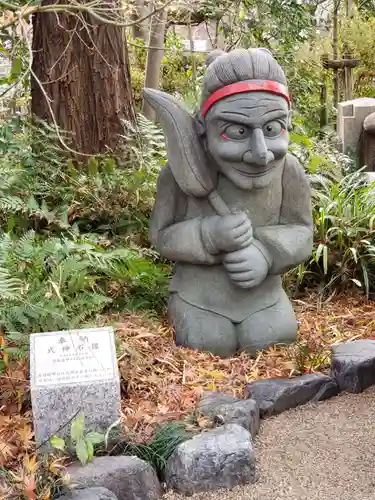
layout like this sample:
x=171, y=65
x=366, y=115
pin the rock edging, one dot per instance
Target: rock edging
x=352, y=369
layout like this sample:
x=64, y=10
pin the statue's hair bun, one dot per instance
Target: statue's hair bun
x=239, y=65
x=214, y=54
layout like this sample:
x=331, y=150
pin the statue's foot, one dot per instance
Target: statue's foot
x=274, y=325
x=201, y=330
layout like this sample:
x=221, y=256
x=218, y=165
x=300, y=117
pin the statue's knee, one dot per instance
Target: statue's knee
x=274, y=325
x=200, y=329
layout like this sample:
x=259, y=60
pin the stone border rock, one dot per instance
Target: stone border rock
x=220, y=458
x=224, y=457
x=127, y=478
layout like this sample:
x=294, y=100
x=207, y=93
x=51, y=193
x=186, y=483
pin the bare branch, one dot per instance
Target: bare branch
x=74, y=8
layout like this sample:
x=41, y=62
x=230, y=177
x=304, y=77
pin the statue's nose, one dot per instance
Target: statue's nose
x=259, y=147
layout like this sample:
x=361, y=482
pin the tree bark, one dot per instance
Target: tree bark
x=83, y=67
x=154, y=57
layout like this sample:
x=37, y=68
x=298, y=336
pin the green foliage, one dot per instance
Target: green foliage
x=82, y=443
x=319, y=155
x=58, y=283
x=358, y=35
x=165, y=441
x=344, y=213
x=281, y=23
x=55, y=284
x=176, y=71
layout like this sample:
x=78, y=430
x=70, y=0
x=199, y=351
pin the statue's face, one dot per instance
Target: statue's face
x=246, y=135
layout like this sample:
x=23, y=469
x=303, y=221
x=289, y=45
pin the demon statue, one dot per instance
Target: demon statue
x=233, y=208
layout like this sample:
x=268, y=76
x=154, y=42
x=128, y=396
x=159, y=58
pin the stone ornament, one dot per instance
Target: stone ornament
x=232, y=208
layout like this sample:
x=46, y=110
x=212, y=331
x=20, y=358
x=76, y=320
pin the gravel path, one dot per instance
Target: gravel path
x=323, y=451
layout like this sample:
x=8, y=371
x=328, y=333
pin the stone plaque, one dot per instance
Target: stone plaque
x=72, y=357
x=73, y=371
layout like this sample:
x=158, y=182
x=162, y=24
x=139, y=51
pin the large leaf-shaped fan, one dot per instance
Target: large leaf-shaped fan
x=186, y=155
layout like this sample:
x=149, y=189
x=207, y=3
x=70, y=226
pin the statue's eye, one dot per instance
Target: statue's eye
x=273, y=129
x=236, y=132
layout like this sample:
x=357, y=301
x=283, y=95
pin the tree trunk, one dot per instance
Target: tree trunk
x=83, y=67
x=154, y=57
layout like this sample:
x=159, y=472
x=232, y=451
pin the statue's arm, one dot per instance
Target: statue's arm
x=290, y=243
x=177, y=239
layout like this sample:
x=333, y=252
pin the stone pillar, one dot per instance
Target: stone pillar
x=351, y=115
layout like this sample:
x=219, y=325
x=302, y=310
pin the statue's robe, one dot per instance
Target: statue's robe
x=280, y=214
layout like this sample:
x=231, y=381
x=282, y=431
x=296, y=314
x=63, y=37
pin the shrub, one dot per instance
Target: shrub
x=344, y=213
x=41, y=189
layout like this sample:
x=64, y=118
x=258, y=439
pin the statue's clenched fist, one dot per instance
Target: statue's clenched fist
x=247, y=267
x=229, y=232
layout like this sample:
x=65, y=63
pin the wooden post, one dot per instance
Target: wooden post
x=346, y=65
x=335, y=51
x=349, y=8
x=347, y=78
x=323, y=96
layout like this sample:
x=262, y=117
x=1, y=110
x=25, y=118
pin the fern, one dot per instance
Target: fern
x=70, y=235
x=10, y=287
x=57, y=283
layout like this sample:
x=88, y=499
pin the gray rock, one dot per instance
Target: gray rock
x=277, y=395
x=129, y=478
x=226, y=409
x=353, y=365
x=221, y=458
x=90, y=494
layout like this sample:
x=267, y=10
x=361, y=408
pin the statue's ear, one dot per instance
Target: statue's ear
x=200, y=126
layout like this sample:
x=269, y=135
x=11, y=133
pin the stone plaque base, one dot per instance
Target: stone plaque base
x=55, y=407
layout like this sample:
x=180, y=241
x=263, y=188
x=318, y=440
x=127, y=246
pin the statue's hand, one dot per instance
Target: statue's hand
x=229, y=232
x=247, y=267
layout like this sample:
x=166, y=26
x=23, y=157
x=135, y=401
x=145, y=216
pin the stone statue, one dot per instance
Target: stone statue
x=232, y=208
x=366, y=144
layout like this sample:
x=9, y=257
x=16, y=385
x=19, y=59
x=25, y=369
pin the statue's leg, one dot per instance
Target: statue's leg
x=274, y=325
x=202, y=330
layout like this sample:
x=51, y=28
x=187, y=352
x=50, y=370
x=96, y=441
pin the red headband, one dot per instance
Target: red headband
x=239, y=87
